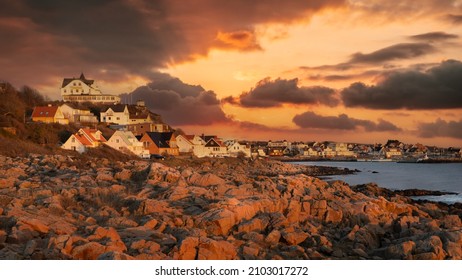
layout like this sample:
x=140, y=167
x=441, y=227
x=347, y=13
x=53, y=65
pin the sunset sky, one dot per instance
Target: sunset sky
x=341, y=70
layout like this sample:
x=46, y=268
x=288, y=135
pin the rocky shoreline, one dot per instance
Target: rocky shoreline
x=59, y=207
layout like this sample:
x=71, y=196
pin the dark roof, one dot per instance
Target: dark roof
x=82, y=78
x=213, y=143
x=116, y=108
x=207, y=138
x=161, y=139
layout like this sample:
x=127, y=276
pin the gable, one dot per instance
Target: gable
x=160, y=139
x=212, y=143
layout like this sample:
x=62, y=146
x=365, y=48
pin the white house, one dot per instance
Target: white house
x=83, y=90
x=237, y=148
x=82, y=140
x=126, y=142
x=312, y=152
x=191, y=144
x=77, y=114
x=128, y=114
x=214, y=147
x=117, y=114
x=342, y=150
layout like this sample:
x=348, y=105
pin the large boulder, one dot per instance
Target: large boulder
x=210, y=249
x=206, y=180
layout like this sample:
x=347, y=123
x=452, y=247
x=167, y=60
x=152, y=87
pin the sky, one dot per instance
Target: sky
x=334, y=70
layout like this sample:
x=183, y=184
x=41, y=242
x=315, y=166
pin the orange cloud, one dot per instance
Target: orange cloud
x=243, y=40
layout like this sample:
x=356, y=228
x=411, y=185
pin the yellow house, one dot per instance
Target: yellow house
x=49, y=114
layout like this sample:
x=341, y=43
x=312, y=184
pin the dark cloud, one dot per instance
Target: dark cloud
x=382, y=56
x=454, y=19
x=345, y=77
x=341, y=122
x=434, y=36
x=268, y=93
x=179, y=103
x=441, y=128
x=130, y=36
x=250, y=126
x=381, y=10
x=398, y=51
x=439, y=87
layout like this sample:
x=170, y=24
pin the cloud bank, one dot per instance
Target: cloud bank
x=438, y=88
x=274, y=93
x=179, y=103
x=341, y=122
x=441, y=128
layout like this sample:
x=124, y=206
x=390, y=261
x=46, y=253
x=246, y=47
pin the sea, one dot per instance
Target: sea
x=398, y=176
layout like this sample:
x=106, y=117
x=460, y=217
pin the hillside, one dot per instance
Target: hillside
x=20, y=136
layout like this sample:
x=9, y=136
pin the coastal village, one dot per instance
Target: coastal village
x=136, y=130
x=81, y=180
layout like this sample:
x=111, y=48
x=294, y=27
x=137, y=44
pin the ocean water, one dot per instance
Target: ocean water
x=398, y=176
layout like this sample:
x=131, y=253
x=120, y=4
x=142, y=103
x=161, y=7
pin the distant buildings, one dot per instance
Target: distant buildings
x=83, y=90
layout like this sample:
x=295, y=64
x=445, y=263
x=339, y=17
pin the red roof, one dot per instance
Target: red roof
x=90, y=132
x=44, y=112
x=82, y=139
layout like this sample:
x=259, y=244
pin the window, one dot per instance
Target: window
x=73, y=84
x=64, y=91
x=117, y=140
x=118, y=118
x=73, y=140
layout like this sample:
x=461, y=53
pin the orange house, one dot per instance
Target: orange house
x=49, y=114
x=160, y=143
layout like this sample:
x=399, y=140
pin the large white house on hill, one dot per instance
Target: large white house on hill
x=83, y=90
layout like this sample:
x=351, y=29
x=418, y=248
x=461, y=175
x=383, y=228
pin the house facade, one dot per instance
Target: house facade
x=77, y=114
x=49, y=114
x=237, y=148
x=126, y=115
x=141, y=128
x=160, y=143
x=126, y=142
x=84, y=90
x=191, y=144
x=82, y=140
x=214, y=147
